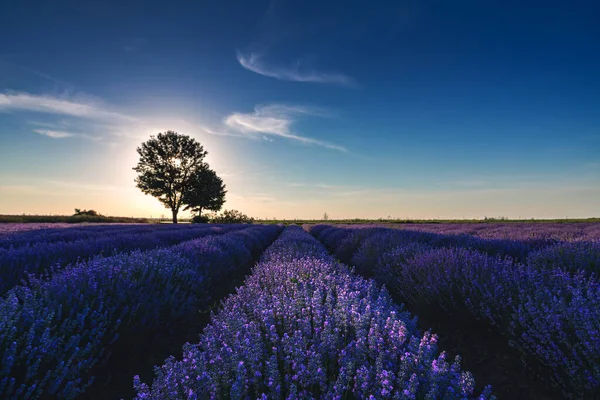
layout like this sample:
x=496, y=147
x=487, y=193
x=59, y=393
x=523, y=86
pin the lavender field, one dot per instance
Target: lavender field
x=246, y=311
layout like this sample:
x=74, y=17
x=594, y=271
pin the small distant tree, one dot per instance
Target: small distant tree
x=206, y=192
x=90, y=213
x=325, y=217
x=167, y=167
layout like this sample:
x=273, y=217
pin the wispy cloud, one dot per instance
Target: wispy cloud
x=275, y=120
x=57, y=134
x=254, y=62
x=53, y=134
x=21, y=101
x=79, y=117
x=222, y=132
x=69, y=116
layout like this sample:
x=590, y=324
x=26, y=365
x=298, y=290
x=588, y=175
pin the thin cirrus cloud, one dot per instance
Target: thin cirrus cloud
x=275, y=120
x=254, y=62
x=54, y=134
x=80, y=115
x=266, y=122
x=21, y=101
x=57, y=134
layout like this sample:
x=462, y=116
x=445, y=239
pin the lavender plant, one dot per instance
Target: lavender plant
x=15, y=264
x=303, y=326
x=53, y=331
x=70, y=234
x=551, y=316
x=522, y=231
x=571, y=257
x=353, y=238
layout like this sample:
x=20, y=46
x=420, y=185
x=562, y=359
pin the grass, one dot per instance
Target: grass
x=104, y=219
x=421, y=221
x=70, y=219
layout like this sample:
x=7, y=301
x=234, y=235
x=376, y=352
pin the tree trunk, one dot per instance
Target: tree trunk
x=175, y=216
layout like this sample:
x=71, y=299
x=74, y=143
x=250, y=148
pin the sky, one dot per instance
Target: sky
x=357, y=109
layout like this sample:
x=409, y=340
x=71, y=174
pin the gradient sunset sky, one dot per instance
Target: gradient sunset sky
x=408, y=109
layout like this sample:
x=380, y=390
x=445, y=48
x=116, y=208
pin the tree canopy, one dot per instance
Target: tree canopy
x=206, y=192
x=172, y=165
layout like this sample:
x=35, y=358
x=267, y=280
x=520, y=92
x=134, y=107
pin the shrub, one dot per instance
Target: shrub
x=90, y=213
x=200, y=219
x=231, y=217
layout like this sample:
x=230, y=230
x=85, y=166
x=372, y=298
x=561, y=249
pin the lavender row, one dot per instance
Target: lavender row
x=515, y=230
x=574, y=257
x=549, y=314
x=577, y=257
x=15, y=264
x=303, y=327
x=70, y=234
x=11, y=229
x=53, y=332
x=518, y=250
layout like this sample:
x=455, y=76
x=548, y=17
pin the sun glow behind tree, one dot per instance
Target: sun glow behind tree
x=170, y=168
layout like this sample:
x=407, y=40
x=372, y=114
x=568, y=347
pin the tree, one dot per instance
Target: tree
x=167, y=166
x=206, y=192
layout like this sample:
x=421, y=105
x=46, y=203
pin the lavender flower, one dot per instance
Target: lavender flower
x=303, y=326
x=549, y=310
x=52, y=331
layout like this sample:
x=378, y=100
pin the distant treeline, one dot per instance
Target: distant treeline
x=72, y=219
x=421, y=221
x=105, y=219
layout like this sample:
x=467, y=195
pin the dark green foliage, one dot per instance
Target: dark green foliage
x=167, y=167
x=231, y=217
x=206, y=192
x=200, y=219
x=75, y=219
x=90, y=213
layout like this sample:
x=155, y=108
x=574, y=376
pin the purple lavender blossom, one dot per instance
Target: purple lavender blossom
x=302, y=326
x=17, y=263
x=549, y=310
x=52, y=331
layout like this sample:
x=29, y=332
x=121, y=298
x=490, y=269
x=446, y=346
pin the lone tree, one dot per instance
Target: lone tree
x=206, y=192
x=169, y=163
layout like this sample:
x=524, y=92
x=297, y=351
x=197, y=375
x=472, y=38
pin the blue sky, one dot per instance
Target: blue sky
x=359, y=109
